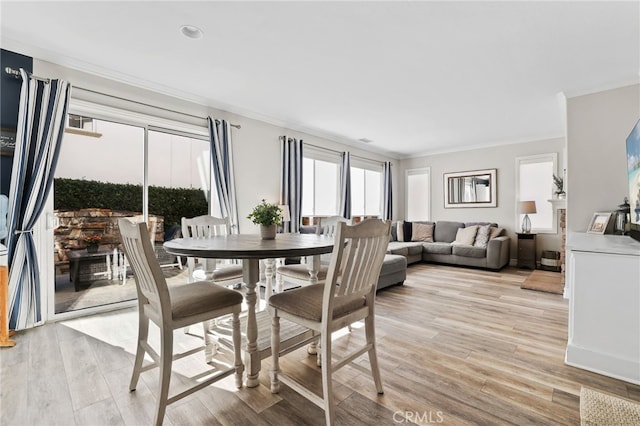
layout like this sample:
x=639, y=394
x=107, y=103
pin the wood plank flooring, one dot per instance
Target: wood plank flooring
x=456, y=346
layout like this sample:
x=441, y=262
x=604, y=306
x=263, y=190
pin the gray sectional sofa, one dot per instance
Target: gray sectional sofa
x=443, y=247
x=394, y=266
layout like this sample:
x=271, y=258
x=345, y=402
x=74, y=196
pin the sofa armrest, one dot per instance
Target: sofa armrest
x=498, y=252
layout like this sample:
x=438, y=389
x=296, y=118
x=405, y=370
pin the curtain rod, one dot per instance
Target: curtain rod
x=17, y=74
x=237, y=126
x=340, y=152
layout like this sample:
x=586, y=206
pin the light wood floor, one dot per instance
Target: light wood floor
x=456, y=346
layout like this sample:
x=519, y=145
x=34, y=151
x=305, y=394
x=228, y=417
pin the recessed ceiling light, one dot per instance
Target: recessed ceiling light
x=191, y=31
x=365, y=140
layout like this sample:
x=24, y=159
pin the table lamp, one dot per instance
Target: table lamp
x=526, y=208
x=285, y=216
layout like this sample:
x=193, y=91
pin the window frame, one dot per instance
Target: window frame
x=373, y=166
x=148, y=123
x=45, y=236
x=316, y=154
x=417, y=171
x=532, y=159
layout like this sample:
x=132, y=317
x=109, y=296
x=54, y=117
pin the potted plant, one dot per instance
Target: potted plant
x=92, y=243
x=268, y=216
x=558, y=181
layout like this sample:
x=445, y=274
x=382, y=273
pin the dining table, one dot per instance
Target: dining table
x=251, y=248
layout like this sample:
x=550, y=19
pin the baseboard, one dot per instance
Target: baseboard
x=603, y=363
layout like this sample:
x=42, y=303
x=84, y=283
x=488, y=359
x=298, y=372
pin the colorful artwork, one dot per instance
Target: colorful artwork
x=633, y=168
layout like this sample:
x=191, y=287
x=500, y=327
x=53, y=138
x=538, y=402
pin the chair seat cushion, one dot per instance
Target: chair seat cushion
x=227, y=273
x=199, y=297
x=306, y=302
x=301, y=272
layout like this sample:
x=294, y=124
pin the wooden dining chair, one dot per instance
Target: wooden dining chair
x=209, y=269
x=347, y=295
x=299, y=273
x=170, y=308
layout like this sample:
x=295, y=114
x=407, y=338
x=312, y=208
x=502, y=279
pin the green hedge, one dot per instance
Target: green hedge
x=172, y=203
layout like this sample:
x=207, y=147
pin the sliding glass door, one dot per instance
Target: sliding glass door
x=117, y=166
x=99, y=177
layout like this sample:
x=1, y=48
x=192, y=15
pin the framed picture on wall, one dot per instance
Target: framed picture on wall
x=599, y=223
x=7, y=141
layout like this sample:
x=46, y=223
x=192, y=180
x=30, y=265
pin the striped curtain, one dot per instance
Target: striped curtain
x=222, y=160
x=41, y=119
x=387, y=205
x=345, y=186
x=291, y=181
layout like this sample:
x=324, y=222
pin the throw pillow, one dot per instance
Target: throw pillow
x=422, y=232
x=482, y=237
x=408, y=230
x=495, y=232
x=466, y=236
x=400, y=230
x=393, y=235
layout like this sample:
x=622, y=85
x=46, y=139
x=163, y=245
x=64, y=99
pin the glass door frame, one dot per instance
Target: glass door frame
x=44, y=235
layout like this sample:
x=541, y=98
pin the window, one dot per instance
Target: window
x=122, y=162
x=418, y=194
x=366, y=190
x=320, y=183
x=534, y=182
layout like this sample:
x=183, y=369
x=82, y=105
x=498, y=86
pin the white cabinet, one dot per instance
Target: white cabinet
x=604, y=309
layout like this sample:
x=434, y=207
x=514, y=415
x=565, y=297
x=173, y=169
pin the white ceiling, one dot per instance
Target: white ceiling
x=414, y=77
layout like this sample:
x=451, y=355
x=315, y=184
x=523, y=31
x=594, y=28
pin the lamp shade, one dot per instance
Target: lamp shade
x=286, y=216
x=527, y=207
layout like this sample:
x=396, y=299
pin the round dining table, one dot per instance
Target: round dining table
x=251, y=248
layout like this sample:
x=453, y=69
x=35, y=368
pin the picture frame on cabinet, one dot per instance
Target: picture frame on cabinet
x=599, y=223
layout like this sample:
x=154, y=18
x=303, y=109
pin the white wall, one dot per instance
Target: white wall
x=501, y=158
x=597, y=127
x=256, y=146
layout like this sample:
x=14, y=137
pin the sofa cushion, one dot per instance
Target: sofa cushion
x=398, y=247
x=408, y=230
x=496, y=232
x=469, y=251
x=422, y=232
x=445, y=231
x=394, y=231
x=400, y=231
x=480, y=223
x=404, y=248
x=414, y=248
x=466, y=236
x=482, y=237
x=437, y=248
x=393, y=263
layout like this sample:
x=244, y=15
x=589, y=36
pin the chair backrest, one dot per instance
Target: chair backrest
x=203, y=227
x=150, y=281
x=328, y=225
x=356, y=260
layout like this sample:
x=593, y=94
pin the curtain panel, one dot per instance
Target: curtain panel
x=41, y=119
x=291, y=181
x=387, y=201
x=222, y=161
x=345, y=185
